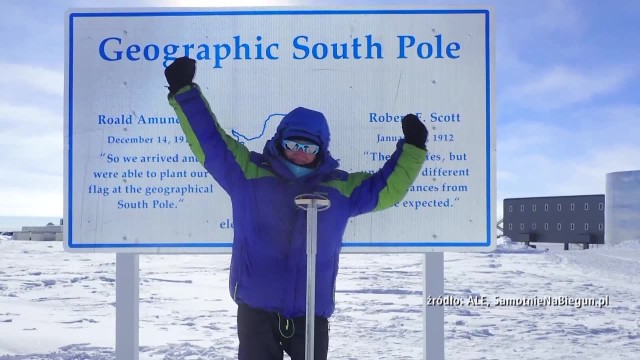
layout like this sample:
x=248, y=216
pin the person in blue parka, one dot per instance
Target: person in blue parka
x=268, y=263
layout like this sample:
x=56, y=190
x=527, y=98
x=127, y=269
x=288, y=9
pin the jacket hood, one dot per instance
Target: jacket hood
x=301, y=122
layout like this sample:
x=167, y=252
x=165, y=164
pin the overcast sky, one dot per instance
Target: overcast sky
x=567, y=95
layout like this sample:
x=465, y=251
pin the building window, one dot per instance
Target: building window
x=510, y=226
x=533, y=226
x=559, y=207
x=586, y=226
x=586, y=206
x=573, y=207
x=521, y=208
x=546, y=207
x=521, y=226
x=510, y=208
x=546, y=226
x=601, y=206
x=573, y=226
x=559, y=226
x=533, y=207
x=600, y=227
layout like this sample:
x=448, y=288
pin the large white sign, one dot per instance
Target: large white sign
x=132, y=184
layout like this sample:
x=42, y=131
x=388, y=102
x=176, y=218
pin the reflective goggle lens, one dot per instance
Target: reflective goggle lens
x=296, y=146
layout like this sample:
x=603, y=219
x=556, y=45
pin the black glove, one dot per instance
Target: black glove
x=180, y=73
x=415, y=133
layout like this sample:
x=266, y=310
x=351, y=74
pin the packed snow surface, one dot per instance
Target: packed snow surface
x=530, y=304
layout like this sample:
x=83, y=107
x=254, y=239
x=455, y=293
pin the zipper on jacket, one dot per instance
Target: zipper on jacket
x=235, y=290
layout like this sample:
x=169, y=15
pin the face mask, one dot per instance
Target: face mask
x=298, y=171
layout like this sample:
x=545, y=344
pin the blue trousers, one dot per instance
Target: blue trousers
x=266, y=335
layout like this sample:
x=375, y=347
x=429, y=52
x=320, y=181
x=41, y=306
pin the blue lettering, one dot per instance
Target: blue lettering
x=322, y=53
x=226, y=224
x=370, y=46
x=219, y=54
x=426, y=49
x=270, y=56
x=245, y=47
x=133, y=49
x=402, y=38
x=298, y=46
x=421, y=53
x=169, y=52
x=148, y=55
x=337, y=51
x=438, y=46
x=203, y=52
x=451, y=48
x=103, y=54
x=187, y=47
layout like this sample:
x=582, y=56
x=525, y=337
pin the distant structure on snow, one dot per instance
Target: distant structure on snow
x=48, y=232
x=577, y=219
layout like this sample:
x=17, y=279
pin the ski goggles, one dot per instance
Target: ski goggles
x=297, y=146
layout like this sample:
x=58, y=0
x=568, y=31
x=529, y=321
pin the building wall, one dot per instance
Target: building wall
x=21, y=235
x=557, y=219
x=622, y=212
x=51, y=228
x=39, y=233
x=48, y=236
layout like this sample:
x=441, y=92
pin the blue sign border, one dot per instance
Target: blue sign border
x=73, y=16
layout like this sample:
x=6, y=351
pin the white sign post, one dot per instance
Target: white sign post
x=311, y=204
x=433, y=316
x=127, y=164
x=127, y=306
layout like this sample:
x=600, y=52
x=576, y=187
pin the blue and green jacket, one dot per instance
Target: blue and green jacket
x=268, y=263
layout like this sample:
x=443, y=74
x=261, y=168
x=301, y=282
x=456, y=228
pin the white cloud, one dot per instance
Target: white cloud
x=588, y=174
x=505, y=175
x=557, y=15
x=32, y=77
x=219, y=3
x=29, y=120
x=38, y=155
x=539, y=175
x=562, y=86
x=32, y=149
x=522, y=136
x=36, y=201
x=536, y=158
x=570, y=156
x=520, y=24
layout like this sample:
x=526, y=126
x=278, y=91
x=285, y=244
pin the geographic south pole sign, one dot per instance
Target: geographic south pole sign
x=132, y=184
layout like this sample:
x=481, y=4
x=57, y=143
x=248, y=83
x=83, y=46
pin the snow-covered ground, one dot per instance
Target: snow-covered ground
x=57, y=305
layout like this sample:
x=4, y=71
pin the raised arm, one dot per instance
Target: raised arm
x=389, y=185
x=226, y=159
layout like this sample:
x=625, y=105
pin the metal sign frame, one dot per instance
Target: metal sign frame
x=349, y=246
